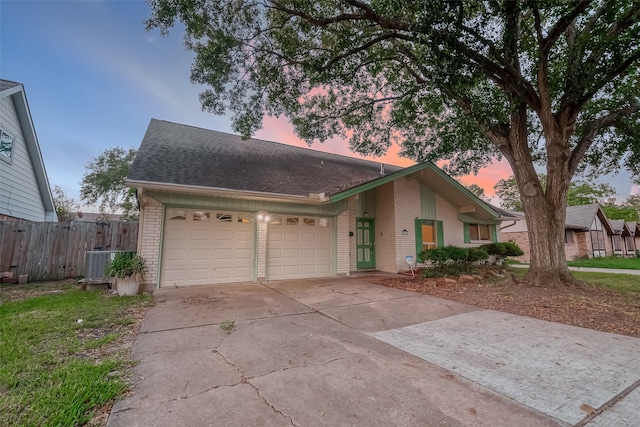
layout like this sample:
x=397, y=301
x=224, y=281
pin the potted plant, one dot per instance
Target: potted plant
x=127, y=268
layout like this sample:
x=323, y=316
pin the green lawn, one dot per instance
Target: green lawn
x=51, y=372
x=608, y=262
x=618, y=282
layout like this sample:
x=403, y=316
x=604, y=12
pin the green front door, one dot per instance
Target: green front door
x=365, y=244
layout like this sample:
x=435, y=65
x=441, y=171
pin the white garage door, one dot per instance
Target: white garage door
x=298, y=247
x=203, y=247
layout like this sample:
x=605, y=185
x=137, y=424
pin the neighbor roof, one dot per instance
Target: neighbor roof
x=581, y=217
x=182, y=155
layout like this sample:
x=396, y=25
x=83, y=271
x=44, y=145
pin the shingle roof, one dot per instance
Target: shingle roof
x=177, y=154
x=7, y=84
x=581, y=216
x=617, y=224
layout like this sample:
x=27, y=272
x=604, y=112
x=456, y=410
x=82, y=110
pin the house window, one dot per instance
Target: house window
x=292, y=220
x=276, y=220
x=428, y=234
x=568, y=237
x=6, y=146
x=597, y=240
x=480, y=232
x=224, y=217
x=243, y=219
x=629, y=241
x=323, y=222
x=617, y=242
x=309, y=221
x=202, y=216
x=176, y=214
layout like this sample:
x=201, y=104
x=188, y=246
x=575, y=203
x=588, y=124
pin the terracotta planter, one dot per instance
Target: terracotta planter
x=127, y=286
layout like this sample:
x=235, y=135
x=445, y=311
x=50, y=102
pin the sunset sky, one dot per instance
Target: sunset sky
x=94, y=78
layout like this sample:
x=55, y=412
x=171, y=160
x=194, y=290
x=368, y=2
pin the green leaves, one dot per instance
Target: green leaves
x=104, y=182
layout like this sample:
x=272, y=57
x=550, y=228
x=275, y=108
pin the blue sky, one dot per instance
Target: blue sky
x=94, y=78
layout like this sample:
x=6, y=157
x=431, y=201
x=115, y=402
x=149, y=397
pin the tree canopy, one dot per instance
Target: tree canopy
x=103, y=183
x=66, y=207
x=552, y=82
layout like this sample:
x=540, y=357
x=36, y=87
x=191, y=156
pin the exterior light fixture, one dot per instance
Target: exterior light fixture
x=405, y=232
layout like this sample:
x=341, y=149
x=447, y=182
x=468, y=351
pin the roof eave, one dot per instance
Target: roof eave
x=408, y=171
x=19, y=97
x=312, y=199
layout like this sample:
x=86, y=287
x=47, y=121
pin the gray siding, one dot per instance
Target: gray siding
x=19, y=193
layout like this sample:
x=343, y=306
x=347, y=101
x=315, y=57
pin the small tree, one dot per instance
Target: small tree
x=104, y=183
x=66, y=208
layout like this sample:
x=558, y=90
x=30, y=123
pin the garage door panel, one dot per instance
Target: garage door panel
x=222, y=235
x=310, y=253
x=299, y=248
x=175, y=254
x=199, y=255
x=292, y=253
x=208, y=251
x=324, y=253
x=309, y=237
x=244, y=254
x=274, y=253
x=198, y=273
x=245, y=235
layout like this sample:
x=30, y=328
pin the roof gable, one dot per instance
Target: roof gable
x=582, y=216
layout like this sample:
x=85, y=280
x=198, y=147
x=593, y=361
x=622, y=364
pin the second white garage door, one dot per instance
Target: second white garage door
x=299, y=247
x=204, y=247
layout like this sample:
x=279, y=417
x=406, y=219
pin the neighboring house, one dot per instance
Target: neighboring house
x=24, y=186
x=622, y=239
x=634, y=228
x=215, y=208
x=588, y=233
x=97, y=217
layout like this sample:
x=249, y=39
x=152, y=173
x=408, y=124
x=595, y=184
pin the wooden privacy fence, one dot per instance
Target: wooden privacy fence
x=57, y=250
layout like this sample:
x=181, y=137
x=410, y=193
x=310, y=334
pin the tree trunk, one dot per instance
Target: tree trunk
x=546, y=228
x=544, y=209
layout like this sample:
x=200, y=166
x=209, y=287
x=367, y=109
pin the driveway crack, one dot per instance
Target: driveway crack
x=247, y=380
x=609, y=404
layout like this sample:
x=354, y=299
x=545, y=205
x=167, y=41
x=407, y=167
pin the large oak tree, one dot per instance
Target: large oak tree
x=554, y=82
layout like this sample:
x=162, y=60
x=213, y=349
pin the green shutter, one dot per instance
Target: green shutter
x=467, y=236
x=439, y=234
x=494, y=232
x=418, y=227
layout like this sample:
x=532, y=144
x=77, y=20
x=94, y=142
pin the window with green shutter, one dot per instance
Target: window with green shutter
x=429, y=234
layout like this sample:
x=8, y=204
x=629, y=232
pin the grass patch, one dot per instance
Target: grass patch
x=617, y=282
x=228, y=326
x=46, y=377
x=607, y=262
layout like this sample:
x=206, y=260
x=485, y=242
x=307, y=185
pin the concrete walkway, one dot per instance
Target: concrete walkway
x=347, y=352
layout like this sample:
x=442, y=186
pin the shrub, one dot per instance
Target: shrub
x=451, y=260
x=501, y=250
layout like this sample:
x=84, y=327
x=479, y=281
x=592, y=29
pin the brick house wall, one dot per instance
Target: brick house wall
x=521, y=238
x=149, y=239
x=343, y=244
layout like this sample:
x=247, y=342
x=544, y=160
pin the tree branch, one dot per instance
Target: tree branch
x=593, y=128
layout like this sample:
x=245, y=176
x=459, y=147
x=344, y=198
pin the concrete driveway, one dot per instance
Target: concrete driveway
x=347, y=352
